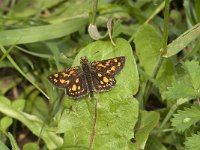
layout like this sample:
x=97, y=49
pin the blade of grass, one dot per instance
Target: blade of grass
x=21, y=72
x=182, y=41
x=41, y=33
x=32, y=122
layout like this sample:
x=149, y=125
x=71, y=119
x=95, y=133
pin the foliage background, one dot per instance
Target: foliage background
x=155, y=104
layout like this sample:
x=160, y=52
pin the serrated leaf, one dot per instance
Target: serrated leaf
x=193, y=70
x=148, y=43
x=188, y=85
x=186, y=118
x=192, y=143
x=117, y=111
x=180, y=89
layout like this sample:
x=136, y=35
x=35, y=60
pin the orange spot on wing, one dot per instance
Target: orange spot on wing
x=105, y=79
x=55, y=75
x=62, y=81
x=99, y=75
x=74, y=87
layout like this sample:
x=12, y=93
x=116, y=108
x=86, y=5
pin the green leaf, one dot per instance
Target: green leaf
x=154, y=143
x=117, y=110
x=19, y=104
x=32, y=122
x=193, y=70
x=13, y=142
x=148, y=43
x=33, y=34
x=31, y=146
x=183, y=40
x=147, y=121
x=181, y=89
x=188, y=84
x=192, y=143
x=186, y=118
x=5, y=123
x=3, y=146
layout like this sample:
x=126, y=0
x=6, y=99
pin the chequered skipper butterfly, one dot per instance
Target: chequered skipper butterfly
x=89, y=77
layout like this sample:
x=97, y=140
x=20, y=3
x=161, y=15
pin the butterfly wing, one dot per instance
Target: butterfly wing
x=102, y=82
x=110, y=67
x=72, y=80
x=103, y=72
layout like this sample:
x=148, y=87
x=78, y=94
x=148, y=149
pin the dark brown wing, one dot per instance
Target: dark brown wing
x=72, y=80
x=110, y=67
x=102, y=82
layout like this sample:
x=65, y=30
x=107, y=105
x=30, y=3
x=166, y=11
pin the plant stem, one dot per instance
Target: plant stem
x=149, y=83
x=160, y=59
x=170, y=113
x=166, y=26
x=92, y=135
x=94, y=12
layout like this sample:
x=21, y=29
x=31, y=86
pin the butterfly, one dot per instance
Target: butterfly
x=89, y=77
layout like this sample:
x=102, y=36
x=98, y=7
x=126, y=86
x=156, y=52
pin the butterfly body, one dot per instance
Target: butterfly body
x=89, y=77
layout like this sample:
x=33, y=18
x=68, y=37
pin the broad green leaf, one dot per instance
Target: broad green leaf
x=185, y=118
x=148, y=43
x=192, y=143
x=117, y=110
x=31, y=146
x=41, y=33
x=32, y=122
x=3, y=146
x=183, y=40
x=147, y=121
x=13, y=142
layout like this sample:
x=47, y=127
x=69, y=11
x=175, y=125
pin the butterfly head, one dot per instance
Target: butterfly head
x=84, y=60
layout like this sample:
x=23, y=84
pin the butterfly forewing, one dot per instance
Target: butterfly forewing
x=72, y=80
x=63, y=79
x=110, y=67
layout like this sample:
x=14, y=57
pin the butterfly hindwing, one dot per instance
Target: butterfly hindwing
x=102, y=82
x=77, y=87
